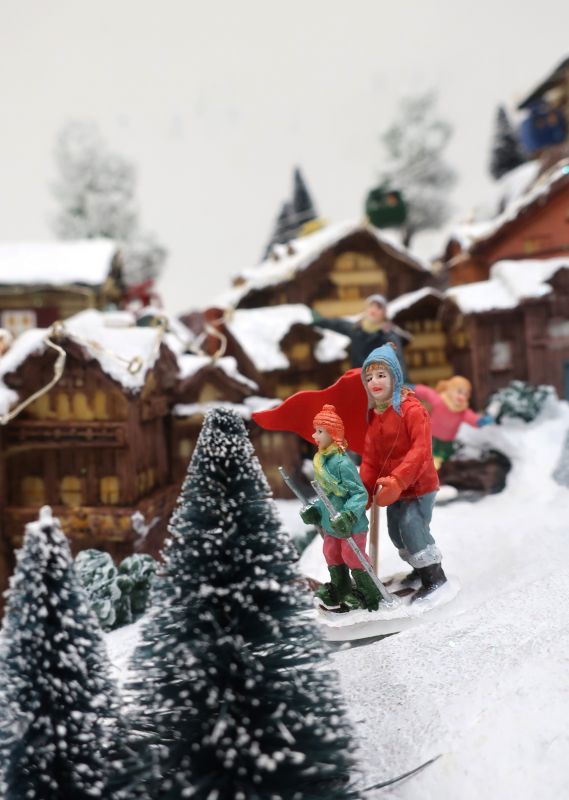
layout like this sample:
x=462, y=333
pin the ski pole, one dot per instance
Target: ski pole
x=296, y=491
x=334, y=514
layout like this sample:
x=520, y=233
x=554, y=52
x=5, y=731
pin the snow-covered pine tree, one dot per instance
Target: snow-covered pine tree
x=415, y=143
x=231, y=674
x=507, y=153
x=302, y=203
x=59, y=701
x=293, y=214
x=96, y=193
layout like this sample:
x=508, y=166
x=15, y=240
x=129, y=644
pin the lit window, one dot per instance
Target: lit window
x=109, y=489
x=18, y=321
x=71, y=491
x=33, y=491
x=185, y=448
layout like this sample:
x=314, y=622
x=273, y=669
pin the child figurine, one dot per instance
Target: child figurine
x=397, y=466
x=338, y=477
x=449, y=409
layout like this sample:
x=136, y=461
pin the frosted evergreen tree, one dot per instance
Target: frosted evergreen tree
x=415, y=165
x=507, y=153
x=293, y=214
x=302, y=204
x=59, y=703
x=96, y=191
x=231, y=677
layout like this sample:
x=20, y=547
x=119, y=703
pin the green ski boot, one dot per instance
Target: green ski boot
x=339, y=591
x=367, y=589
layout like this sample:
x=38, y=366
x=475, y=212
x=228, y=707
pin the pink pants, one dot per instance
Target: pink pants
x=338, y=551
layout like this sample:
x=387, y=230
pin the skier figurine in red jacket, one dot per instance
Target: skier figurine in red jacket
x=397, y=465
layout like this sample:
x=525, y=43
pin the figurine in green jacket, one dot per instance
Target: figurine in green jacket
x=338, y=476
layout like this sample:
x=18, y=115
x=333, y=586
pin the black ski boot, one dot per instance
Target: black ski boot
x=367, y=589
x=432, y=577
x=339, y=591
x=411, y=578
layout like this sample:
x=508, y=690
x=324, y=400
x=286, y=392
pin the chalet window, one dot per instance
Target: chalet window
x=558, y=328
x=100, y=405
x=301, y=351
x=40, y=408
x=62, y=406
x=71, y=490
x=18, y=321
x=33, y=491
x=185, y=448
x=501, y=356
x=151, y=477
x=81, y=408
x=348, y=292
x=110, y=490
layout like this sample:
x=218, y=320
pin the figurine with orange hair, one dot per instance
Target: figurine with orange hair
x=338, y=476
x=449, y=403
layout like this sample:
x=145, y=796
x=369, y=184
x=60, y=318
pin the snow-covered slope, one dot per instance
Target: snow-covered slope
x=487, y=687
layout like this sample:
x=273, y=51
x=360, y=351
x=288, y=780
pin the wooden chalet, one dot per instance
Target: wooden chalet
x=41, y=283
x=515, y=325
x=94, y=446
x=281, y=351
x=331, y=270
x=536, y=225
x=427, y=355
x=206, y=384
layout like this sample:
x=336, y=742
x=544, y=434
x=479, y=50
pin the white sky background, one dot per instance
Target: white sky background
x=217, y=101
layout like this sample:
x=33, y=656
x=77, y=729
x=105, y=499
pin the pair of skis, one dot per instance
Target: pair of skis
x=390, y=599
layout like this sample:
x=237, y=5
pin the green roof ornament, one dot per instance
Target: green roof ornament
x=385, y=207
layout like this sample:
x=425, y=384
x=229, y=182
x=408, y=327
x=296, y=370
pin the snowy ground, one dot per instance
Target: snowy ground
x=487, y=687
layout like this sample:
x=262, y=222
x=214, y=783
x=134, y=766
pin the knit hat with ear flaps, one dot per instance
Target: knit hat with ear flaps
x=386, y=355
x=332, y=424
x=376, y=298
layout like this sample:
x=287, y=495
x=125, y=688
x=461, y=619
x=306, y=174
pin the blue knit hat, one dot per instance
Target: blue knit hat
x=386, y=355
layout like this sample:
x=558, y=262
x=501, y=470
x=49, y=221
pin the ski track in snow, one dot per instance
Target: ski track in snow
x=487, y=687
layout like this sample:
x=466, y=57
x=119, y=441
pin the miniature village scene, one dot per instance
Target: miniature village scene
x=284, y=485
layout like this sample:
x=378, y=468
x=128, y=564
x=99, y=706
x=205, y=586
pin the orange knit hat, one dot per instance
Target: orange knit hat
x=332, y=424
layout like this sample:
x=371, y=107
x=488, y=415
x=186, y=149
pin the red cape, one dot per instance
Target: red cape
x=296, y=413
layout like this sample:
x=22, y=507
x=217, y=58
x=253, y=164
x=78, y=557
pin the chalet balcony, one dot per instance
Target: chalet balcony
x=53, y=434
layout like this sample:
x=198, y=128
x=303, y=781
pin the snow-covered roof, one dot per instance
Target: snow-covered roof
x=125, y=354
x=470, y=234
x=510, y=283
x=259, y=331
x=86, y=262
x=298, y=254
x=408, y=300
x=190, y=364
x=244, y=409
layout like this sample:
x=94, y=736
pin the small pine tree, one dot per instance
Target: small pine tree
x=415, y=165
x=59, y=700
x=302, y=204
x=293, y=214
x=231, y=675
x=96, y=192
x=507, y=153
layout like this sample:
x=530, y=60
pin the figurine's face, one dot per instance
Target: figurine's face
x=375, y=312
x=322, y=438
x=458, y=396
x=379, y=384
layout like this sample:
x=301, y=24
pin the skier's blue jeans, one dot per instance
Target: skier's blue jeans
x=408, y=523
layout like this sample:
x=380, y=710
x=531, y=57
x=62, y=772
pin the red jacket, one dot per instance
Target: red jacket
x=400, y=446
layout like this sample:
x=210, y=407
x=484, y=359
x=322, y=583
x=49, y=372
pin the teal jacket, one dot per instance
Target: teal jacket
x=351, y=493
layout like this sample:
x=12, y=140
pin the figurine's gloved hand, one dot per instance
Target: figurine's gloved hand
x=390, y=491
x=342, y=526
x=485, y=420
x=310, y=515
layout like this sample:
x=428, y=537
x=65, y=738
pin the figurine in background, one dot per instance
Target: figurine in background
x=371, y=330
x=449, y=409
x=397, y=466
x=338, y=476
